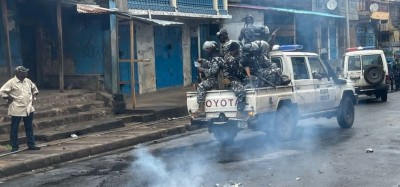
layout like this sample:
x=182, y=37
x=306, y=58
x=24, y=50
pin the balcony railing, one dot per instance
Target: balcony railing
x=221, y=7
x=159, y=5
x=184, y=6
x=196, y=6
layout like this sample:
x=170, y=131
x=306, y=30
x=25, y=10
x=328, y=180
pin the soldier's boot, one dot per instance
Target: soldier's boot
x=200, y=113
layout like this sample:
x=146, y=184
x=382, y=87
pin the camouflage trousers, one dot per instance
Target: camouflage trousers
x=251, y=82
x=240, y=93
x=273, y=75
x=203, y=87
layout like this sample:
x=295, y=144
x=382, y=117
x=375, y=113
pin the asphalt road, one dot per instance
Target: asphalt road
x=322, y=154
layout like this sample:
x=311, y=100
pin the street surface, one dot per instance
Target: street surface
x=321, y=154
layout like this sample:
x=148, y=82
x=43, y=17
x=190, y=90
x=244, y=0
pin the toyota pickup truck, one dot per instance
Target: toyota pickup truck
x=314, y=91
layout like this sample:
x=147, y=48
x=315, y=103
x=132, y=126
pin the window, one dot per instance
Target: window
x=354, y=63
x=300, y=69
x=368, y=60
x=277, y=61
x=317, y=68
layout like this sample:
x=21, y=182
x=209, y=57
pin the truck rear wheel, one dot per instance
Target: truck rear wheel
x=345, y=115
x=285, y=123
x=384, y=96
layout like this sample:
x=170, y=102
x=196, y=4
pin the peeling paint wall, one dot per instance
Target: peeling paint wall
x=145, y=50
x=187, y=69
x=235, y=24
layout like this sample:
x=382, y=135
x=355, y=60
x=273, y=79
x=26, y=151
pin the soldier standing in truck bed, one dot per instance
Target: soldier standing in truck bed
x=211, y=69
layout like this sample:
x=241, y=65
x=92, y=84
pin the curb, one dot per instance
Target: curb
x=57, y=158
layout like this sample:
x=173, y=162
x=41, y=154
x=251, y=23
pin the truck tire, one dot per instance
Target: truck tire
x=345, y=115
x=225, y=134
x=285, y=123
x=384, y=96
x=374, y=74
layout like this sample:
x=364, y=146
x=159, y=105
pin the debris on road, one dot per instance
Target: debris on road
x=369, y=150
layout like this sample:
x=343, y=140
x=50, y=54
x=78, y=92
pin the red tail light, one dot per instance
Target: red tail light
x=387, y=79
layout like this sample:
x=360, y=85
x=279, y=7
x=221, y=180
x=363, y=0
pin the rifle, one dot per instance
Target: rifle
x=273, y=35
x=266, y=81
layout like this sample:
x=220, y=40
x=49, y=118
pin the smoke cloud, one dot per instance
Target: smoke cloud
x=183, y=170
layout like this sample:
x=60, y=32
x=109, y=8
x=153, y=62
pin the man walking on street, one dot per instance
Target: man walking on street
x=19, y=92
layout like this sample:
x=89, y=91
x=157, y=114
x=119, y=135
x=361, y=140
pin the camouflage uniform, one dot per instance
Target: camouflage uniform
x=225, y=47
x=211, y=71
x=252, y=81
x=234, y=72
x=396, y=75
x=268, y=71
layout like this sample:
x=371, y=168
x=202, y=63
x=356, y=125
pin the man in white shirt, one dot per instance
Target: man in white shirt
x=19, y=92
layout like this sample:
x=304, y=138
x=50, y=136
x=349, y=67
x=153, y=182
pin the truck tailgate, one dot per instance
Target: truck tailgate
x=224, y=101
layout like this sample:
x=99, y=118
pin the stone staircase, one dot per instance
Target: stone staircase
x=59, y=115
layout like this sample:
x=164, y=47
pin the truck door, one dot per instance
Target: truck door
x=303, y=85
x=324, y=85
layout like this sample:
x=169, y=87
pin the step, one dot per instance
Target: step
x=60, y=111
x=152, y=115
x=44, y=103
x=61, y=120
x=65, y=131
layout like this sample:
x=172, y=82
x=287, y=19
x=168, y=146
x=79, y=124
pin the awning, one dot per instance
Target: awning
x=380, y=15
x=93, y=9
x=148, y=20
x=294, y=11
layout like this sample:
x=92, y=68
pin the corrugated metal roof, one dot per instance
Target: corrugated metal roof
x=294, y=11
x=149, y=20
x=93, y=9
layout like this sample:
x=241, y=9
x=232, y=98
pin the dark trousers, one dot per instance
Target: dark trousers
x=15, y=120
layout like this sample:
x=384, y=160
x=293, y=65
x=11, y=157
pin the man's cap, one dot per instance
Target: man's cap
x=21, y=69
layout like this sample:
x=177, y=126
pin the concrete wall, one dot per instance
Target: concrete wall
x=145, y=50
x=187, y=68
x=235, y=24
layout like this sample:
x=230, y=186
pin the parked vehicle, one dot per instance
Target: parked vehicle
x=367, y=68
x=315, y=91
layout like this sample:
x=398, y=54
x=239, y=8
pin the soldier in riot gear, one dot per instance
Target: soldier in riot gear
x=396, y=74
x=234, y=75
x=267, y=71
x=248, y=62
x=211, y=69
x=251, y=33
x=223, y=38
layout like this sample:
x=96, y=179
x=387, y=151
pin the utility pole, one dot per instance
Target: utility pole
x=347, y=24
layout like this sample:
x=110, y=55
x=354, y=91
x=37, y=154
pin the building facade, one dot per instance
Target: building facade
x=309, y=23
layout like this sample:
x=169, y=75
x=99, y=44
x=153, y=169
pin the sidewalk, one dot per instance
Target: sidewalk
x=167, y=106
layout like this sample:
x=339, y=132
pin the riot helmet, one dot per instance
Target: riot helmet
x=263, y=46
x=211, y=47
x=222, y=35
x=248, y=20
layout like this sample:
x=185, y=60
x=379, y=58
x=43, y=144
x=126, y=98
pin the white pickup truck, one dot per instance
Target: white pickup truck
x=315, y=91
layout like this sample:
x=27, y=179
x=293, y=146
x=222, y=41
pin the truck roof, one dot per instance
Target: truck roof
x=364, y=52
x=290, y=53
